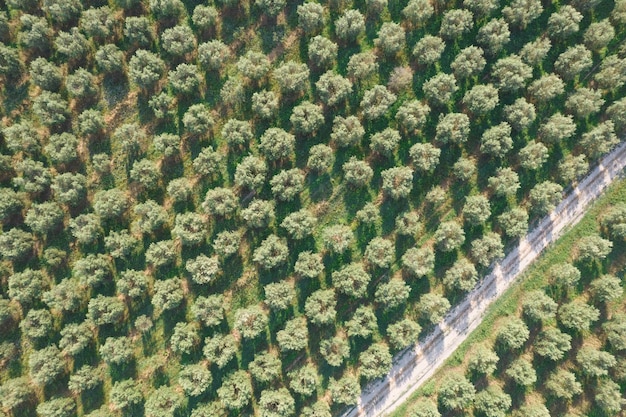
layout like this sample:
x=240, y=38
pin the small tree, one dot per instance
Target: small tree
x=266, y=367
x=562, y=384
x=320, y=307
x=455, y=23
x=428, y=49
x=513, y=334
x=522, y=372
x=403, y=333
x=164, y=402
x=552, y=344
x=250, y=321
x=322, y=51
x=287, y=184
x=449, y=236
x=220, y=349
x=392, y=294
x=208, y=310
x=337, y=238
x=484, y=361
x=538, y=306
x=304, y=381
x=469, y=62
x=345, y=390
x=309, y=265
x=456, y=392
x=376, y=101
x=306, y=118
x=236, y=390
x=492, y=402
x=375, y=361
x=573, y=61
x=557, y=128
x=125, y=395
x=592, y=247
x=363, y=322
x=295, y=335
x=335, y=350
x=46, y=365
x=577, y=315
x=350, y=25
x=195, y=379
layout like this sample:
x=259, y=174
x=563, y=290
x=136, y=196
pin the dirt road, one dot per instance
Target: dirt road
x=415, y=365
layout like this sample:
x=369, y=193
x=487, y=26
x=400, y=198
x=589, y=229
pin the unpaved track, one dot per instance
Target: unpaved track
x=415, y=365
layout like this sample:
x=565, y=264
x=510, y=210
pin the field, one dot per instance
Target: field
x=246, y=208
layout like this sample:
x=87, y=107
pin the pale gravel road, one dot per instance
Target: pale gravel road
x=415, y=365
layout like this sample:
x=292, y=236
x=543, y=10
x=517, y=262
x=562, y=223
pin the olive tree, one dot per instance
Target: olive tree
x=520, y=13
x=335, y=350
x=347, y=131
x=455, y=23
x=564, y=23
x=456, y=392
x=557, y=128
x=511, y=73
x=574, y=60
x=552, y=344
x=350, y=25
x=429, y=48
x=469, y=62
x=376, y=101
x=250, y=321
x=453, y=128
x=440, y=88
x=375, y=361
